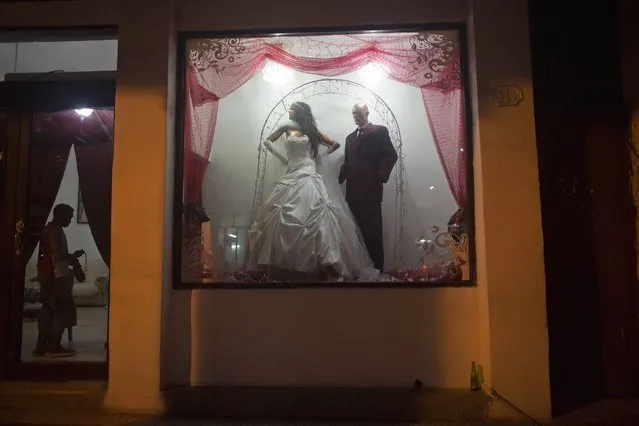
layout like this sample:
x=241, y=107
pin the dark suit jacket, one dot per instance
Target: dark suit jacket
x=368, y=162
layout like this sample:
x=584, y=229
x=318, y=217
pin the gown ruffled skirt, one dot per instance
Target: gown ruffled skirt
x=299, y=228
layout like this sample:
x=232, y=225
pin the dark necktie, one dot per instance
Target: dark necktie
x=359, y=133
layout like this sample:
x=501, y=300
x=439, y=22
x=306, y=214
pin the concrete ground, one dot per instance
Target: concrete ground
x=81, y=404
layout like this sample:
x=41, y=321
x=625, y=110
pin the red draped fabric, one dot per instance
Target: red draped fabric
x=200, y=119
x=430, y=61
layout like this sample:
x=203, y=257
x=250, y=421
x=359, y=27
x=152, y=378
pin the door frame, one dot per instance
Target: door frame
x=21, y=96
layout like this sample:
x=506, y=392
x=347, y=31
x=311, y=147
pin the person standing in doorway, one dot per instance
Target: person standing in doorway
x=56, y=277
x=369, y=159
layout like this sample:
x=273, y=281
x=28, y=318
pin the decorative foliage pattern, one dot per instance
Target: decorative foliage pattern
x=215, y=53
x=438, y=54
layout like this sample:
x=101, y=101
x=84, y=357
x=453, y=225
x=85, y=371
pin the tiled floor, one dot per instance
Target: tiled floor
x=89, y=338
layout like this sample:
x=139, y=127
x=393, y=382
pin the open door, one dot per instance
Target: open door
x=56, y=142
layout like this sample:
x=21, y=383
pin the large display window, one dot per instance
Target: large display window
x=329, y=159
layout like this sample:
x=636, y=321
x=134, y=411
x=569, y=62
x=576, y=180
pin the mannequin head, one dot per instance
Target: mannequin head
x=62, y=215
x=301, y=113
x=360, y=114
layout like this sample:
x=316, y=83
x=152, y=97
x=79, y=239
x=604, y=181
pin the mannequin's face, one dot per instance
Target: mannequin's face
x=291, y=114
x=360, y=114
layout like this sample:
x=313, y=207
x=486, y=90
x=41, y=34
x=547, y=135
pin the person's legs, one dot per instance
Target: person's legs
x=63, y=315
x=45, y=318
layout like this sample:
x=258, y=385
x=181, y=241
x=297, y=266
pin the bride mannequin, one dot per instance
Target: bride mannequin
x=300, y=229
x=303, y=111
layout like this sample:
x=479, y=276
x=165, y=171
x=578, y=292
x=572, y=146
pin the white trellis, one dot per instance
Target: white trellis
x=333, y=86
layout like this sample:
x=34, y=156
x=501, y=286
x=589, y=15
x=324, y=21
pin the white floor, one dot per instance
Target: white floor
x=89, y=338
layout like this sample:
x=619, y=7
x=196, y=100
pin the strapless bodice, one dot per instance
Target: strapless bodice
x=298, y=150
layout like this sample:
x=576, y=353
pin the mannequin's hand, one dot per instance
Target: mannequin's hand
x=269, y=146
x=78, y=253
x=334, y=147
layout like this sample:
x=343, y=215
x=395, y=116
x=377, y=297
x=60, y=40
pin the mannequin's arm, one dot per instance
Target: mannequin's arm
x=268, y=143
x=279, y=132
x=388, y=156
x=332, y=144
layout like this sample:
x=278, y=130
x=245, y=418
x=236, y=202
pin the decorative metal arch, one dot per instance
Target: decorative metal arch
x=334, y=86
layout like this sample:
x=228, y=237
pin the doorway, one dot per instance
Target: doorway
x=57, y=155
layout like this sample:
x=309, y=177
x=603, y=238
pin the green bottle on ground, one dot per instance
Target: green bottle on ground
x=475, y=385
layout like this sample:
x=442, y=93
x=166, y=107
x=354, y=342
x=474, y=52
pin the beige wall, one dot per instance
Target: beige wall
x=510, y=242
x=139, y=283
x=334, y=337
x=327, y=337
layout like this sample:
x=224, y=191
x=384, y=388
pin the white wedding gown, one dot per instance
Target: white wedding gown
x=301, y=228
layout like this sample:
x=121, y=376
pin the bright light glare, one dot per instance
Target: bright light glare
x=372, y=73
x=84, y=112
x=276, y=74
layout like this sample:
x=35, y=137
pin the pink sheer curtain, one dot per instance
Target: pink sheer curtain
x=445, y=112
x=430, y=61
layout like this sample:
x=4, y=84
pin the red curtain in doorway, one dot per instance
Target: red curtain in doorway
x=94, y=160
x=46, y=170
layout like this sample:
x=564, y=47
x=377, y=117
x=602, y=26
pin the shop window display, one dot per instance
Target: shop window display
x=336, y=158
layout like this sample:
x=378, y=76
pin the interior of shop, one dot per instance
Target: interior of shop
x=70, y=157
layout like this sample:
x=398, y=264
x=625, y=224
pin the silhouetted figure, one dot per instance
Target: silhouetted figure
x=56, y=270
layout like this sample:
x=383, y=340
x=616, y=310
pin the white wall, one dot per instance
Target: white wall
x=230, y=181
x=78, y=234
x=69, y=56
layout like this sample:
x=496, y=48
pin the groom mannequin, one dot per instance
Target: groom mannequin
x=368, y=161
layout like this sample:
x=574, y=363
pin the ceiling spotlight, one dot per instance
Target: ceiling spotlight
x=372, y=73
x=277, y=74
x=84, y=112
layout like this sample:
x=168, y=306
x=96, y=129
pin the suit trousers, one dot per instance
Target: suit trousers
x=368, y=215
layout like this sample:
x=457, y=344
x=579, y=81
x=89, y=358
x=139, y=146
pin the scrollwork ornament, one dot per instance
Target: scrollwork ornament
x=216, y=53
x=448, y=253
x=438, y=54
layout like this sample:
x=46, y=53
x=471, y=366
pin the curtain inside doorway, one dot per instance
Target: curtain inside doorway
x=46, y=170
x=92, y=138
